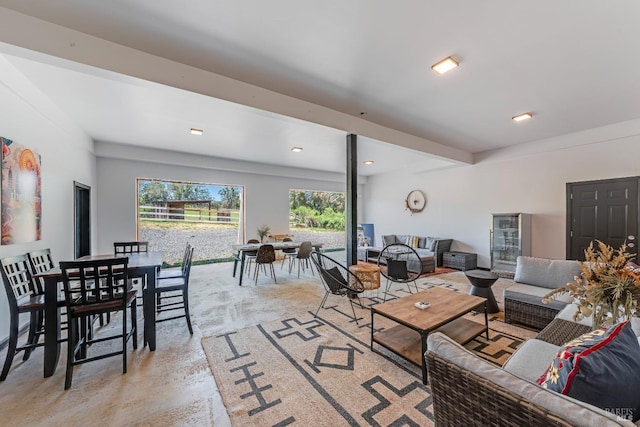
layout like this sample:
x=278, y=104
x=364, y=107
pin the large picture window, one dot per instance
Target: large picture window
x=172, y=213
x=318, y=216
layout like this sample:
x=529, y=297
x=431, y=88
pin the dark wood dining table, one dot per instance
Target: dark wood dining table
x=242, y=249
x=141, y=265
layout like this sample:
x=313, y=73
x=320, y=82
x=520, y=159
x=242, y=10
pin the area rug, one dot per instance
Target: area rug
x=321, y=371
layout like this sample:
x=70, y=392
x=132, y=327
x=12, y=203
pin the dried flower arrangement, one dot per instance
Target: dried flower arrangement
x=608, y=287
x=263, y=232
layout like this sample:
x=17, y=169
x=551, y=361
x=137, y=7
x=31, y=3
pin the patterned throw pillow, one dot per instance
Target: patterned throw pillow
x=601, y=368
x=412, y=241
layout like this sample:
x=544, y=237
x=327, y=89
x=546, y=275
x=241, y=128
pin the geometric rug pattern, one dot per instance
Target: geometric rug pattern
x=321, y=371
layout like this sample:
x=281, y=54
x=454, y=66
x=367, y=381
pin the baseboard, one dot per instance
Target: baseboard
x=5, y=342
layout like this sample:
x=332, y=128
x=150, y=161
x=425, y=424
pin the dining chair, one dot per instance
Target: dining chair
x=250, y=256
x=40, y=261
x=120, y=248
x=170, y=288
x=22, y=298
x=303, y=256
x=288, y=253
x=266, y=255
x=91, y=288
x=166, y=273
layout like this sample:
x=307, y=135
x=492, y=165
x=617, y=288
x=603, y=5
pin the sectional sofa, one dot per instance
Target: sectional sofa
x=423, y=245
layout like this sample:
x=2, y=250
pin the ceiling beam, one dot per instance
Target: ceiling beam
x=43, y=37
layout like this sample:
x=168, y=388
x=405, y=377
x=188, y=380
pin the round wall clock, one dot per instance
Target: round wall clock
x=416, y=201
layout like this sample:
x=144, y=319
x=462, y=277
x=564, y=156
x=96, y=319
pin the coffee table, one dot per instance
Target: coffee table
x=408, y=339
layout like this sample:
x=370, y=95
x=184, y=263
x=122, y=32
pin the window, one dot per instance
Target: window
x=318, y=216
x=172, y=213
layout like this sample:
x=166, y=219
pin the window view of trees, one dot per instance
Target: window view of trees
x=317, y=209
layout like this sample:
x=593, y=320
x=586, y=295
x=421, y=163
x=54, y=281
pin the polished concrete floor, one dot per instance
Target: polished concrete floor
x=172, y=386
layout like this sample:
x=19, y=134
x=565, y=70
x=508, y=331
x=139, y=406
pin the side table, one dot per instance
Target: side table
x=481, y=282
x=368, y=274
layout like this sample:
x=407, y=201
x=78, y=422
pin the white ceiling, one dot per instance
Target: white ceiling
x=574, y=64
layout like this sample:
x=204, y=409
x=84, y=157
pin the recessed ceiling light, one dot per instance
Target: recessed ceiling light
x=368, y=162
x=195, y=131
x=445, y=65
x=296, y=149
x=521, y=117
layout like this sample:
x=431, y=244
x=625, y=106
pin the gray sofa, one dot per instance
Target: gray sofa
x=468, y=390
x=427, y=246
x=534, y=278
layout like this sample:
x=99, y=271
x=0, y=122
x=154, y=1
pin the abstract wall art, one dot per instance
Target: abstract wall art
x=21, y=180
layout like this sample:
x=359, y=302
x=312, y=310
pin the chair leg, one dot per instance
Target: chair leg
x=32, y=338
x=353, y=310
x=134, y=323
x=185, y=302
x=273, y=273
x=71, y=344
x=11, y=347
x=321, y=303
x=124, y=340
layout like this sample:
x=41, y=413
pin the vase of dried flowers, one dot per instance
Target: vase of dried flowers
x=608, y=287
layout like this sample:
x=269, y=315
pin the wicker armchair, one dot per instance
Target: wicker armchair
x=469, y=391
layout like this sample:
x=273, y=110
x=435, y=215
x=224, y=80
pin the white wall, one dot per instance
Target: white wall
x=266, y=187
x=29, y=119
x=460, y=200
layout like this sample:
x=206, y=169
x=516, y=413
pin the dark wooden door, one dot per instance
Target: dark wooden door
x=605, y=210
x=82, y=219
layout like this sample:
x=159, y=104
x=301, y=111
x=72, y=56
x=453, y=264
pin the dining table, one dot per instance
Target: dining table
x=144, y=265
x=242, y=249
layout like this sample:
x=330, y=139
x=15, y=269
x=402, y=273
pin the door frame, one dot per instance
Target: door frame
x=81, y=215
x=569, y=215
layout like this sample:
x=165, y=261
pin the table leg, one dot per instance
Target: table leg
x=423, y=337
x=149, y=308
x=52, y=326
x=371, y=329
x=244, y=254
x=486, y=320
x=235, y=263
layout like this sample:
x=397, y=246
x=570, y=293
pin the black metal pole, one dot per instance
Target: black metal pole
x=352, y=199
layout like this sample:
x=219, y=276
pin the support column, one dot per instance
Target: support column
x=352, y=199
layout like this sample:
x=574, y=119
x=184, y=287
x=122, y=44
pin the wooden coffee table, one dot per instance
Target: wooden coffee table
x=444, y=314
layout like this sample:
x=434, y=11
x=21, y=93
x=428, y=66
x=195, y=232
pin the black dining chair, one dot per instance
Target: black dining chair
x=302, y=258
x=22, y=297
x=120, y=248
x=266, y=256
x=288, y=253
x=172, y=293
x=92, y=288
x=250, y=256
x=166, y=273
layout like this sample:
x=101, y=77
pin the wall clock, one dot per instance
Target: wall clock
x=416, y=201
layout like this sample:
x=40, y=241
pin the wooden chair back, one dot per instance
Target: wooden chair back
x=89, y=283
x=130, y=247
x=40, y=261
x=17, y=279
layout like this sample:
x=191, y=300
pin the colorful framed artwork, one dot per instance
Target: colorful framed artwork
x=21, y=202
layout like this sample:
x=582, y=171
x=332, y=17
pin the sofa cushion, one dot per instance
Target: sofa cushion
x=389, y=240
x=431, y=243
x=548, y=273
x=422, y=241
x=602, y=368
x=564, y=407
x=534, y=294
x=531, y=359
x=412, y=241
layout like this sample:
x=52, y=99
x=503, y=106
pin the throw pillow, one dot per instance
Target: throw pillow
x=412, y=241
x=601, y=368
x=388, y=240
x=431, y=243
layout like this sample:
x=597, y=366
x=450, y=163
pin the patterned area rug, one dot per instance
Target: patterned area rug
x=321, y=371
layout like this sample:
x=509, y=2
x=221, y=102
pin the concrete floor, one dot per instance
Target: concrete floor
x=172, y=386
